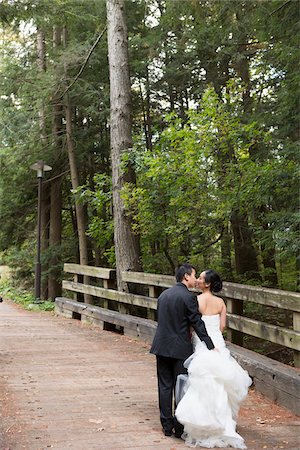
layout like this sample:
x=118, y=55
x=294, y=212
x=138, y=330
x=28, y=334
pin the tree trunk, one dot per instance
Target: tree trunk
x=243, y=69
x=269, y=263
x=127, y=246
x=226, y=265
x=41, y=65
x=268, y=254
x=54, y=282
x=146, y=113
x=297, y=268
x=80, y=214
x=219, y=77
x=45, y=219
x=72, y=212
x=245, y=254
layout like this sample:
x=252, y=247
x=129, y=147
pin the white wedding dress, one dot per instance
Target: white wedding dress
x=210, y=399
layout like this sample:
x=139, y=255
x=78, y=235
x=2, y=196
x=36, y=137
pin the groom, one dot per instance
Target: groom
x=177, y=310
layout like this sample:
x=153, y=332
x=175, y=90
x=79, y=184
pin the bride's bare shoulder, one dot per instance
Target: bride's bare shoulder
x=217, y=299
x=202, y=302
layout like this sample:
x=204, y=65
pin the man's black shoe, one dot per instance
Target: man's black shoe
x=178, y=434
x=168, y=433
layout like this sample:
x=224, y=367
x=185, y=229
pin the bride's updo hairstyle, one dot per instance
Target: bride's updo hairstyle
x=213, y=279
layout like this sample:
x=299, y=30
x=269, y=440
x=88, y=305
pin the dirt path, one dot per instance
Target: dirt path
x=64, y=385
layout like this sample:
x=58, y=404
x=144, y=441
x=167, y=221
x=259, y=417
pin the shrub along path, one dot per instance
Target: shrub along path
x=65, y=385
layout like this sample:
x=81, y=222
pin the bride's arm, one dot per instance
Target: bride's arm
x=223, y=318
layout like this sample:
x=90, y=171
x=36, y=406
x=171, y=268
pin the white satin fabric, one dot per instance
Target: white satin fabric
x=215, y=388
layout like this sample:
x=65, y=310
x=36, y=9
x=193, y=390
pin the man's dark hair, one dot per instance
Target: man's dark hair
x=182, y=270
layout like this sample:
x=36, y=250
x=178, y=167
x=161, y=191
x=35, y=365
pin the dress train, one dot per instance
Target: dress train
x=210, y=399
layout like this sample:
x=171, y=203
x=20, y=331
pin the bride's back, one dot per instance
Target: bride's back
x=209, y=304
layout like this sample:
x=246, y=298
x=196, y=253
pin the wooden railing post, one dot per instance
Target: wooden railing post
x=235, y=307
x=154, y=292
x=108, y=284
x=76, y=280
x=296, y=327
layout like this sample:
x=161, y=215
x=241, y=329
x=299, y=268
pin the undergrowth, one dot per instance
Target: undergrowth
x=24, y=298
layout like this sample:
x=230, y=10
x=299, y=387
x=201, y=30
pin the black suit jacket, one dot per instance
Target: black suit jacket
x=177, y=310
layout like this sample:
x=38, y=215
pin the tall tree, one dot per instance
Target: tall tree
x=80, y=210
x=55, y=228
x=45, y=195
x=126, y=242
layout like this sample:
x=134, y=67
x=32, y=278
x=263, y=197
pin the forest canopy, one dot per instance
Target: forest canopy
x=213, y=157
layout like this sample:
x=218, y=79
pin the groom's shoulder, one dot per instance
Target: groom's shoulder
x=177, y=288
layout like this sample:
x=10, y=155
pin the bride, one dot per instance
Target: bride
x=216, y=383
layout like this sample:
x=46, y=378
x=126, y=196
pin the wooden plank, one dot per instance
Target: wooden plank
x=135, y=326
x=66, y=304
x=61, y=311
x=296, y=326
x=111, y=294
x=271, y=371
x=269, y=297
x=280, y=397
x=97, y=272
x=115, y=317
x=277, y=381
x=272, y=333
x=150, y=279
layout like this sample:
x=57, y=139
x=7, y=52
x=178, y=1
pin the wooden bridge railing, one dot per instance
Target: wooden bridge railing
x=234, y=294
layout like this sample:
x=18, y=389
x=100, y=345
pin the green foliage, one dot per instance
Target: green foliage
x=24, y=298
x=100, y=227
x=21, y=261
x=187, y=186
x=200, y=150
x=55, y=255
x=26, y=91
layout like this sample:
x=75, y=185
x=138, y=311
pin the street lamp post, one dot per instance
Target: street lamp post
x=40, y=168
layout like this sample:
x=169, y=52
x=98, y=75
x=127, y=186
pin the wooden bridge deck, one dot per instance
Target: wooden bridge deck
x=65, y=385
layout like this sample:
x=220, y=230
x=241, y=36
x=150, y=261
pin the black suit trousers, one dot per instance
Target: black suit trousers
x=167, y=371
